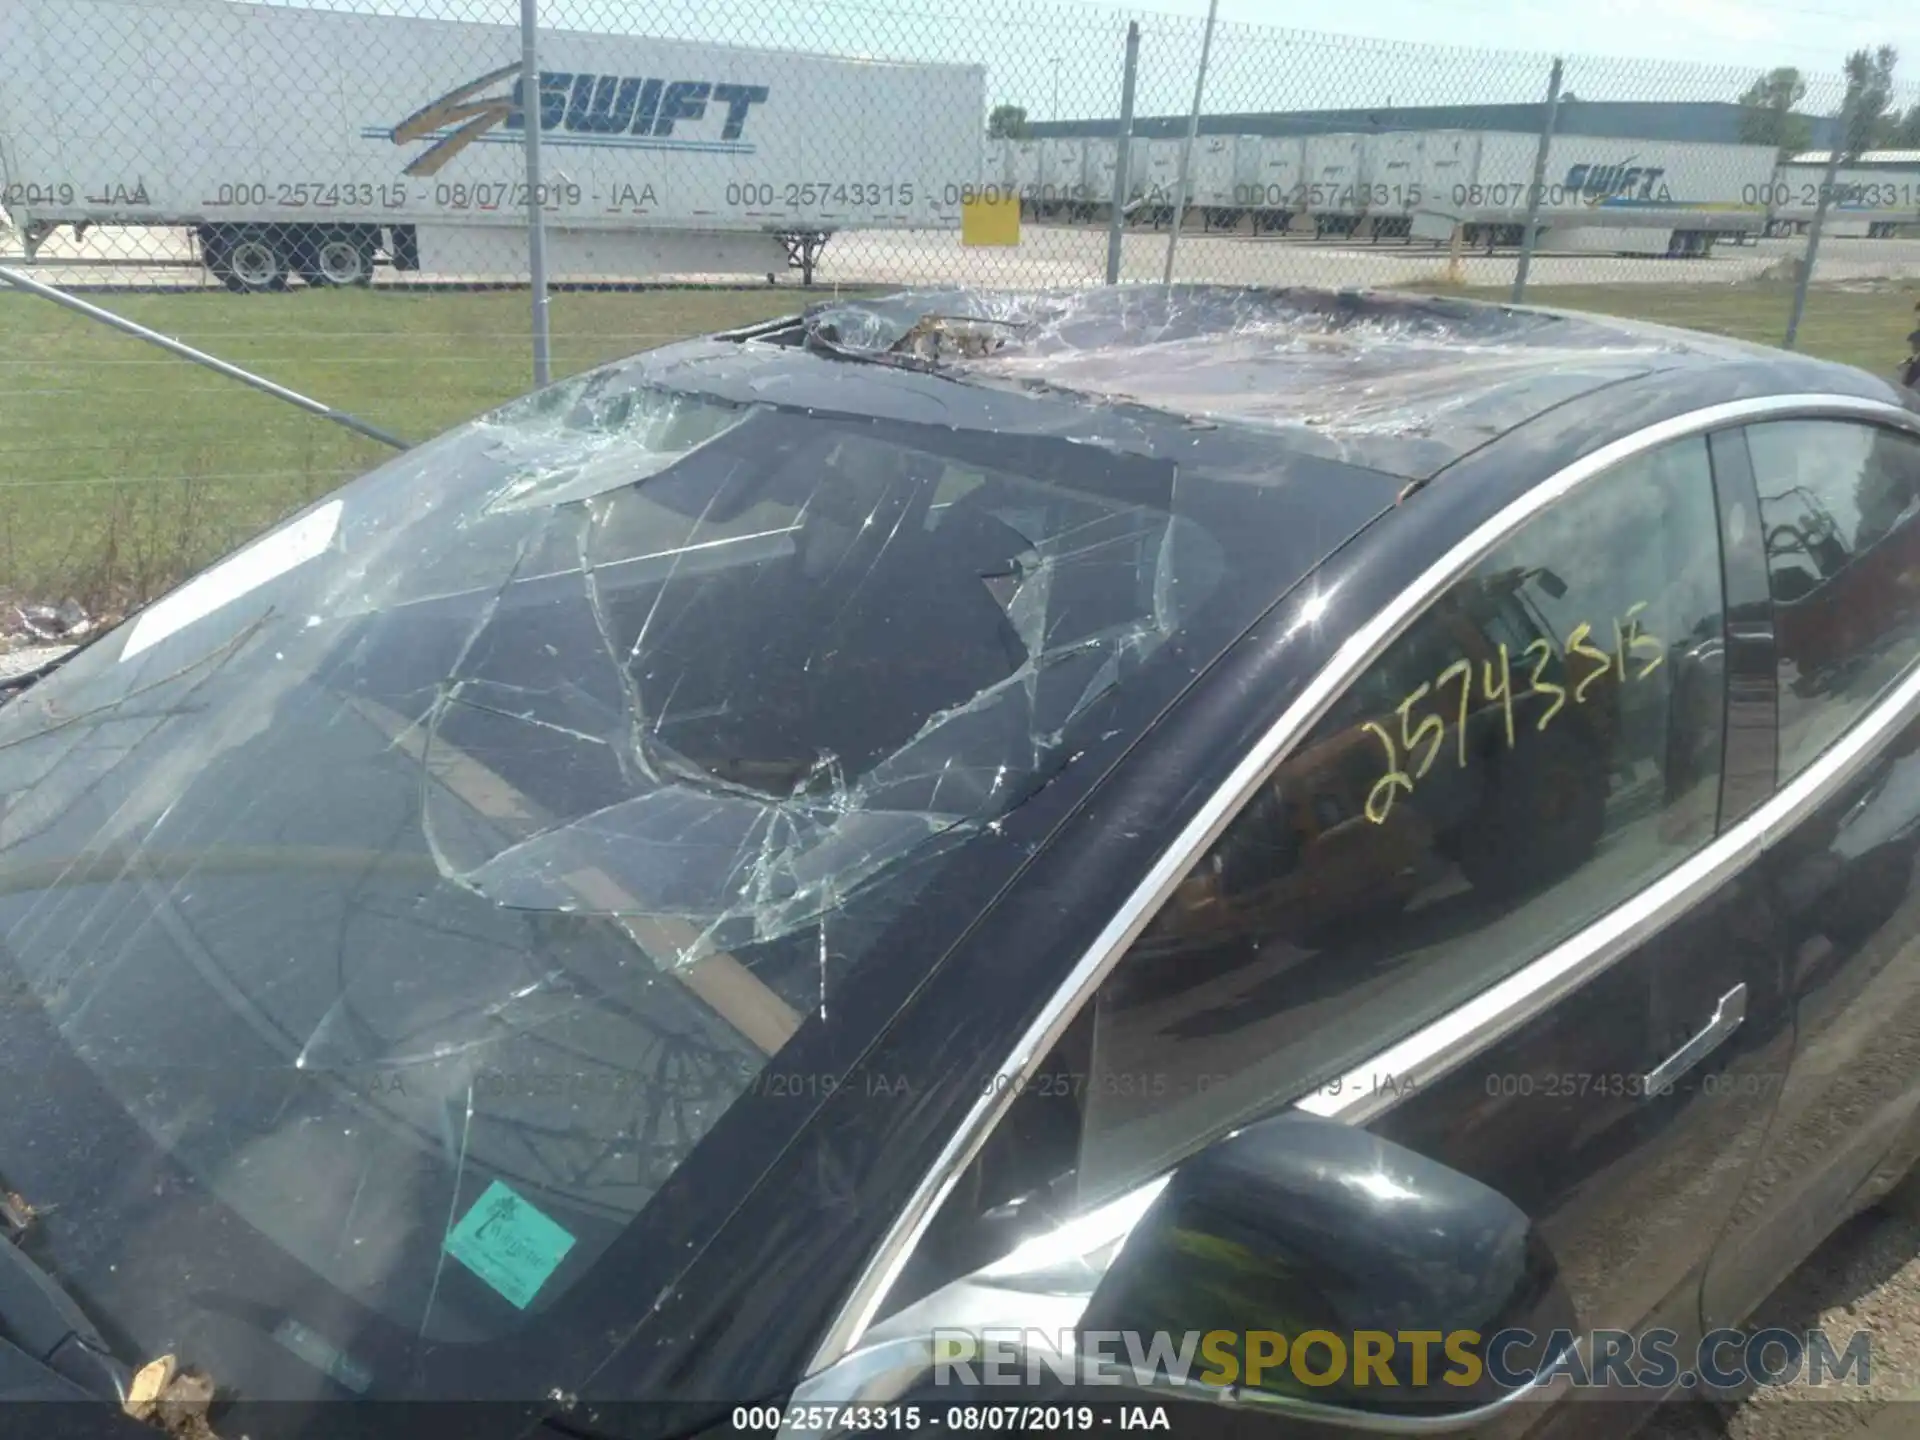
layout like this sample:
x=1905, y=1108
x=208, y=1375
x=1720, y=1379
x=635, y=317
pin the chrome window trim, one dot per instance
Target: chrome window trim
x=1451, y=1039
x=1364, y=1092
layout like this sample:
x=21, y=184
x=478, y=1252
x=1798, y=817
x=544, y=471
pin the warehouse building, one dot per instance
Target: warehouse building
x=1710, y=121
x=1890, y=160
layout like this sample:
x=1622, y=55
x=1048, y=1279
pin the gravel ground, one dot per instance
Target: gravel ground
x=156, y=258
x=1867, y=1277
x=20, y=661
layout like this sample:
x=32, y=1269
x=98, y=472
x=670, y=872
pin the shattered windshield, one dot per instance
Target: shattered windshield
x=427, y=879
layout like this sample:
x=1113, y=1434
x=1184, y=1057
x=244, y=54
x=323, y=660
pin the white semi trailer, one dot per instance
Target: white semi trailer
x=1214, y=165
x=1618, y=196
x=1062, y=191
x=1267, y=178
x=311, y=142
x=1155, y=187
x=1611, y=196
x=1651, y=197
x=1405, y=170
x=1865, y=202
x=1334, y=182
x=1655, y=197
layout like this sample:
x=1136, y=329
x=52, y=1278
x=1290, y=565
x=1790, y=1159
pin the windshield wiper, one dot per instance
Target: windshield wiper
x=41, y=1319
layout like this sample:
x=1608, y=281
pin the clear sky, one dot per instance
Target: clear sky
x=1062, y=57
x=1756, y=34
x=1279, y=54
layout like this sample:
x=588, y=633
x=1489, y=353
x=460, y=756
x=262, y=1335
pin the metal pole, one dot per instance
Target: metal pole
x=1819, y=222
x=1193, y=129
x=199, y=357
x=1122, y=150
x=532, y=103
x=1539, y=183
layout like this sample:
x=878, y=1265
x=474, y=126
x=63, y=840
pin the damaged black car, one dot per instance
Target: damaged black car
x=1165, y=811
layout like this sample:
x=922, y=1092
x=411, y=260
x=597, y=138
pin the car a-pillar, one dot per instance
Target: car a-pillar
x=251, y=259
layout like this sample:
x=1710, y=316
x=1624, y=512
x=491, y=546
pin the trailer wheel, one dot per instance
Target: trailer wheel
x=250, y=264
x=341, y=260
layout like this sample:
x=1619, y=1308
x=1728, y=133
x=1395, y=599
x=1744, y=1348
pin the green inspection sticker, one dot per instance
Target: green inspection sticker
x=509, y=1244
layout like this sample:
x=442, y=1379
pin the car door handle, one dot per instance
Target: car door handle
x=1727, y=1016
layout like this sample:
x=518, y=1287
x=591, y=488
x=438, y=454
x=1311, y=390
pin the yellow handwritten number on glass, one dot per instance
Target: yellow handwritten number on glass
x=1636, y=637
x=1545, y=687
x=1428, y=724
x=1505, y=692
x=1578, y=644
x=1380, y=797
x=1461, y=670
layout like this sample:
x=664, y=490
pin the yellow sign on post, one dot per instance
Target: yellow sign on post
x=990, y=219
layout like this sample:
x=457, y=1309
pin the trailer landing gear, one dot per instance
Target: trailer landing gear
x=35, y=235
x=803, y=252
x=1690, y=244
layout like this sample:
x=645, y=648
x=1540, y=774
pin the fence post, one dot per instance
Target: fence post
x=1819, y=221
x=1186, y=151
x=532, y=102
x=1539, y=183
x=199, y=357
x=1122, y=154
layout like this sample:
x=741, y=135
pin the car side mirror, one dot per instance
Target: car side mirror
x=1323, y=1266
x=1299, y=1265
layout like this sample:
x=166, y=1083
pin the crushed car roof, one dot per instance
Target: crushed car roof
x=1405, y=384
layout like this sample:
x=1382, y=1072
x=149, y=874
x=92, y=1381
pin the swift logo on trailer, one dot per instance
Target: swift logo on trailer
x=1623, y=183
x=621, y=111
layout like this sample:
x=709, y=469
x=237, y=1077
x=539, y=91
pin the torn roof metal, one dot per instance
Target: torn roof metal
x=1399, y=383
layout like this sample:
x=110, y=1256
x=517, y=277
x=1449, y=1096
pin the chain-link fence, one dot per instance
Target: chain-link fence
x=338, y=198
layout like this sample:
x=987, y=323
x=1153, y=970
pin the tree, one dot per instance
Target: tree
x=1769, y=118
x=1869, y=97
x=1905, y=133
x=1007, y=122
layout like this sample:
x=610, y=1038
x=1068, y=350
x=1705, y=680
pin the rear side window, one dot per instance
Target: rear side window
x=1838, y=501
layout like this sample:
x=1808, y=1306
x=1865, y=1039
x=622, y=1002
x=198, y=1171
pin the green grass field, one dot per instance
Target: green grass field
x=123, y=469
x=1859, y=326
